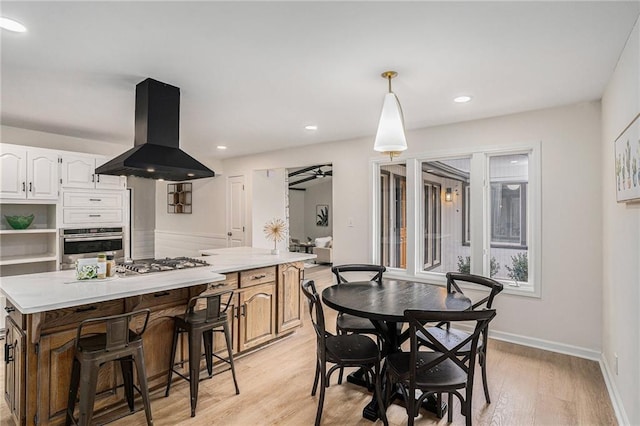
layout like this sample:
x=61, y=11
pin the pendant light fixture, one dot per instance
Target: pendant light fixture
x=390, y=138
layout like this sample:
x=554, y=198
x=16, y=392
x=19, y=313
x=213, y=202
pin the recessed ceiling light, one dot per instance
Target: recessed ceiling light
x=221, y=147
x=462, y=99
x=514, y=161
x=150, y=170
x=311, y=127
x=11, y=25
x=190, y=174
x=160, y=180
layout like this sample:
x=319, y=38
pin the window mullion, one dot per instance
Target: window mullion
x=414, y=188
x=479, y=220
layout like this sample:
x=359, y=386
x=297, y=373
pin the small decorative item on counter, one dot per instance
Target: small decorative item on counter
x=86, y=269
x=276, y=230
x=102, y=265
x=19, y=222
x=111, y=265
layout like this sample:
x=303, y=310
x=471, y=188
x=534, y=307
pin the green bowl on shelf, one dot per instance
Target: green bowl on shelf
x=19, y=222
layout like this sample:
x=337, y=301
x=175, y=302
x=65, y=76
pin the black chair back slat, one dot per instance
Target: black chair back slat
x=338, y=271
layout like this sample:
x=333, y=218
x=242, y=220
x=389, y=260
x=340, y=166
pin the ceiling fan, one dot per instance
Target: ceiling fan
x=310, y=173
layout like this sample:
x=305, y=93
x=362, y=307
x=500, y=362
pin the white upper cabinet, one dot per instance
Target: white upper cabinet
x=109, y=181
x=79, y=172
x=28, y=173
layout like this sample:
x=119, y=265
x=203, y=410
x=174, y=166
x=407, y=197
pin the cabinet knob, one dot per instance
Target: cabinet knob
x=98, y=179
x=30, y=186
x=93, y=178
x=24, y=186
x=9, y=309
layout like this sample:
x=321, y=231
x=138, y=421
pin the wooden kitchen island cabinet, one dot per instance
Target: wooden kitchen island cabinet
x=40, y=342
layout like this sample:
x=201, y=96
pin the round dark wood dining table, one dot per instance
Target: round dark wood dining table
x=384, y=304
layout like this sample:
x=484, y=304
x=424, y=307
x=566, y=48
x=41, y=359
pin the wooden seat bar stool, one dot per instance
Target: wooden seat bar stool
x=200, y=324
x=98, y=341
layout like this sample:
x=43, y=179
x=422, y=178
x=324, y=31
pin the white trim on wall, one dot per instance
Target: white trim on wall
x=174, y=244
x=614, y=395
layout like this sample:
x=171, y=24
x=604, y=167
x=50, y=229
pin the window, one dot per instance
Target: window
x=508, y=214
x=477, y=213
x=431, y=225
x=393, y=215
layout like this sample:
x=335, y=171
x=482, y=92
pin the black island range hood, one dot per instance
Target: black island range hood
x=156, y=153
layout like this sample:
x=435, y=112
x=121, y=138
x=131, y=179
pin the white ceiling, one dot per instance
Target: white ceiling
x=253, y=74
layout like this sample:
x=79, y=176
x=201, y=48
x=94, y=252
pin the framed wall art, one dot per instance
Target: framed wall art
x=322, y=215
x=627, y=162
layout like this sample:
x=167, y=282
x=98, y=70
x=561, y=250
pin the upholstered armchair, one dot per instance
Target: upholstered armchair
x=323, y=249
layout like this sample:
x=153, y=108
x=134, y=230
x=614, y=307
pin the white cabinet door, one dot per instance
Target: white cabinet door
x=30, y=173
x=78, y=172
x=13, y=162
x=109, y=181
x=42, y=174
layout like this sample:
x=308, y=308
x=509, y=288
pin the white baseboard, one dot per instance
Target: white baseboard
x=614, y=395
x=546, y=345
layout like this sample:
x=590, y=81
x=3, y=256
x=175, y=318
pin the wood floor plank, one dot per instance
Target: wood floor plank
x=528, y=387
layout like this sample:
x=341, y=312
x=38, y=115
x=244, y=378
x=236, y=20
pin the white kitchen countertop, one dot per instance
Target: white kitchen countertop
x=240, y=258
x=46, y=291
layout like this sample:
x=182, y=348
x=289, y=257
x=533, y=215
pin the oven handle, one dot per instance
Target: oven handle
x=76, y=240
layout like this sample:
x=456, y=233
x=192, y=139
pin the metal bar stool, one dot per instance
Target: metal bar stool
x=117, y=343
x=200, y=324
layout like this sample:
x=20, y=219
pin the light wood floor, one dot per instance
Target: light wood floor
x=528, y=387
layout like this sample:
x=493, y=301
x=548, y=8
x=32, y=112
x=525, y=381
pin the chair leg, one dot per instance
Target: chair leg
x=340, y=375
x=378, y=390
x=194, y=368
x=73, y=391
x=88, y=384
x=207, y=338
x=323, y=388
x=138, y=358
x=450, y=410
x=483, y=366
x=411, y=406
x=126, y=366
x=174, y=346
x=227, y=336
x=315, y=380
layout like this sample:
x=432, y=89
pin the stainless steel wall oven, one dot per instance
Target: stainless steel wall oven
x=88, y=242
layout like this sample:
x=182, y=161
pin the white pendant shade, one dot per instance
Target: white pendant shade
x=390, y=136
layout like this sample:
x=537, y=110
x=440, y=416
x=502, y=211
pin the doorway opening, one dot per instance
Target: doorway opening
x=310, y=210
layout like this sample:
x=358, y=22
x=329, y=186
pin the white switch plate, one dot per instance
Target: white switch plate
x=350, y=222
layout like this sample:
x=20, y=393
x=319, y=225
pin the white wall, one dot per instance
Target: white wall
x=268, y=195
x=569, y=312
x=316, y=195
x=621, y=242
x=144, y=217
x=296, y=215
x=34, y=138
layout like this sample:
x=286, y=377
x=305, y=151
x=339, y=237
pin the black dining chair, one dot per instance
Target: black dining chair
x=440, y=371
x=344, y=350
x=346, y=323
x=450, y=337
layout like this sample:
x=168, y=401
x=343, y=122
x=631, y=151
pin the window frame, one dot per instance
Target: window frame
x=480, y=224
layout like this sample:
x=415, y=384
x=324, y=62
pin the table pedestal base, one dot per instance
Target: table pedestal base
x=370, y=411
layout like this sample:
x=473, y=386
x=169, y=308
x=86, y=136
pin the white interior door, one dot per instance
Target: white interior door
x=235, y=211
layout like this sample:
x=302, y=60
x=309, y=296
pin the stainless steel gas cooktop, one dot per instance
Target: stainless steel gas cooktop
x=145, y=266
